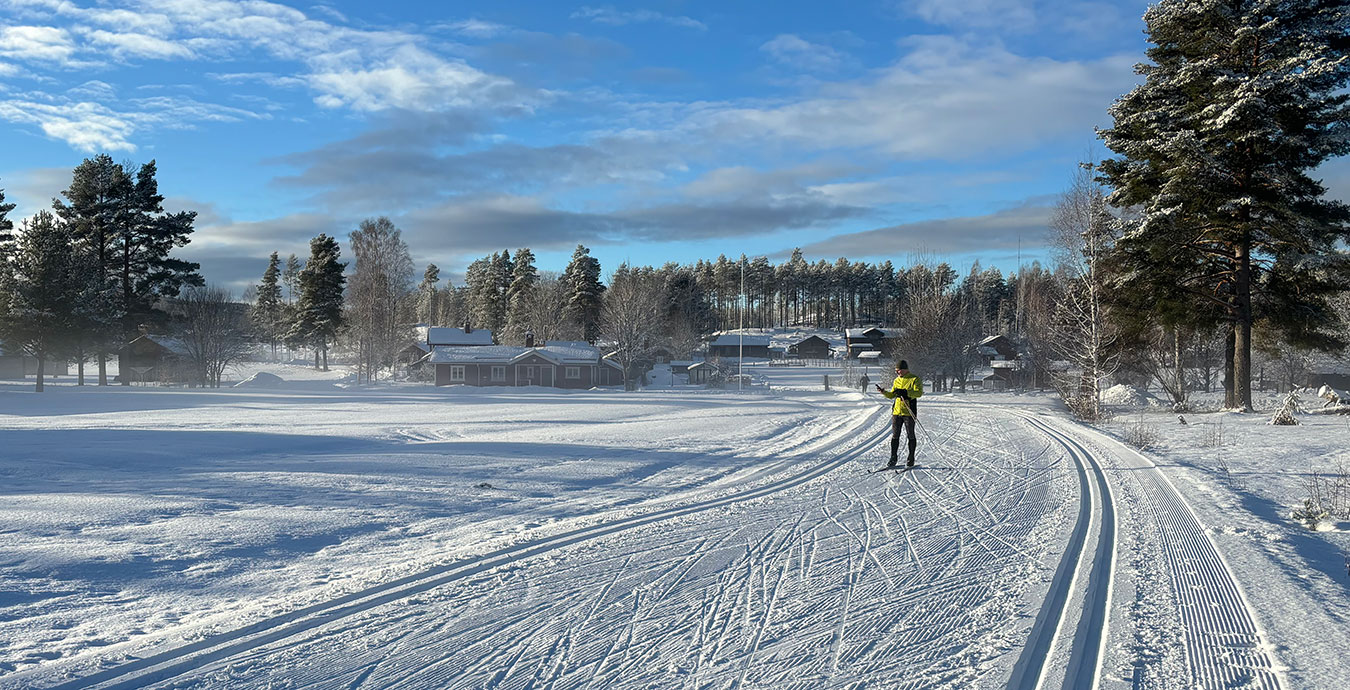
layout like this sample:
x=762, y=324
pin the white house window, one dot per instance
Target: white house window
x=572, y=372
x=498, y=373
x=456, y=373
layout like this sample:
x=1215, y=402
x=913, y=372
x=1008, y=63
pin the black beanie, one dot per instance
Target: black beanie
x=902, y=365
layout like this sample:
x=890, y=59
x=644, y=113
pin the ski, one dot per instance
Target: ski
x=889, y=467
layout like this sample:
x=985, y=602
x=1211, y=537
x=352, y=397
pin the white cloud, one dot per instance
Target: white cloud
x=85, y=126
x=89, y=126
x=614, y=17
x=124, y=45
x=409, y=79
x=36, y=43
x=792, y=50
x=1008, y=14
x=944, y=99
x=476, y=28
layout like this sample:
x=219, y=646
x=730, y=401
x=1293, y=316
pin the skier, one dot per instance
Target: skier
x=906, y=390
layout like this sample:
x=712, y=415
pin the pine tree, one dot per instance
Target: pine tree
x=41, y=284
x=119, y=218
x=6, y=228
x=428, y=296
x=318, y=311
x=519, y=296
x=291, y=279
x=584, y=305
x=1241, y=100
x=268, y=309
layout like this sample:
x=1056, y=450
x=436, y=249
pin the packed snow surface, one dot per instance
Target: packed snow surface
x=325, y=535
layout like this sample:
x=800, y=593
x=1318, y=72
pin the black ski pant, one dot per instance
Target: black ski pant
x=903, y=424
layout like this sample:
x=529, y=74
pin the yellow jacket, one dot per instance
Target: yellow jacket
x=910, y=384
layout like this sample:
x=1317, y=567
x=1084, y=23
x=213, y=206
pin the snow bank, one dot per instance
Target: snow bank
x=261, y=379
x=1125, y=395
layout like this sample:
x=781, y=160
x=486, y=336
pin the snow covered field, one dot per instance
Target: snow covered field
x=402, y=536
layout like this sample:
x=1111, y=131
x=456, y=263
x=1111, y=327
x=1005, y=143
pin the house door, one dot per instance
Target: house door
x=530, y=376
x=546, y=378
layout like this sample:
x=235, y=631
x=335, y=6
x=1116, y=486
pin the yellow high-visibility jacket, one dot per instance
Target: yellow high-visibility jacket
x=909, y=383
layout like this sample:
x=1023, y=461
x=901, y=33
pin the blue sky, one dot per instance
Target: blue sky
x=649, y=132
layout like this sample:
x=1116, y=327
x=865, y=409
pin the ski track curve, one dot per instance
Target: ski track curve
x=166, y=665
x=876, y=581
x=895, y=580
x=1223, y=645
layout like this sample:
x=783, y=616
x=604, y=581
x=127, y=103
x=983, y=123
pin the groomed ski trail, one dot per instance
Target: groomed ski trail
x=905, y=581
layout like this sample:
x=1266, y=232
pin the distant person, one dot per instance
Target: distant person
x=862, y=383
x=906, y=390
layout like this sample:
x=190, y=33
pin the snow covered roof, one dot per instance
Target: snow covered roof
x=173, y=345
x=1006, y=364
x=456, y=336
x=564, y=352
x=500, y=354
x=870, y=355
x=571, y=351
x=734, y=340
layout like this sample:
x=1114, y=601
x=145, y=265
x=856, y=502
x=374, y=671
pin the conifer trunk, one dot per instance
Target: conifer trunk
x=42, y=363
x=1242, y=344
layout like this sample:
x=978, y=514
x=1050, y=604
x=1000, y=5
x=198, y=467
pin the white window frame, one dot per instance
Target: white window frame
x=498, y=372
x=457, y=373
x=572, y=373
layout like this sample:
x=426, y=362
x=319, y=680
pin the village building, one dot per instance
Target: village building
x=155, y=358
x=736, y=345
x=869, y=339
x=997, y=348
x=700, y=373
x=558, y=364
x=16, y=364
x=468, y=336
x=810, y=347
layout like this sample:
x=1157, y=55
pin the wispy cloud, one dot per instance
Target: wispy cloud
x=361, y=69
x=999, y=231
x=475, y=28
x=797, y=52
x=945, y=98
x=90, y=126
x=614, y=17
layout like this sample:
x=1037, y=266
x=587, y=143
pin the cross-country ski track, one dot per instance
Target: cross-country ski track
x=992, y=564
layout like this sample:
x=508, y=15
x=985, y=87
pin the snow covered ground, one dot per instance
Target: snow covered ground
x=321, y=534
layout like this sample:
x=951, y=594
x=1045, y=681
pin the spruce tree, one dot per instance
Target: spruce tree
x=519, y=296
x=318, y=311
x=584, y=304
x=428, y=296
x=41, y=283
x=268, y=309
x=290, y=277
x=6, y=227
x=1242, y=99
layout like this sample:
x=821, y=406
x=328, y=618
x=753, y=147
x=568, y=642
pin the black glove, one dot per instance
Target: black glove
x=904, y=394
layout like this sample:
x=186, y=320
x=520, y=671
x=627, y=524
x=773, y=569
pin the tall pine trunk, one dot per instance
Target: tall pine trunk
x=1242, y=344
x=102, y=368
x=42, y=365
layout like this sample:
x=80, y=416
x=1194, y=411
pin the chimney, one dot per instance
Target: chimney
x=467, y=328
x=529, y=338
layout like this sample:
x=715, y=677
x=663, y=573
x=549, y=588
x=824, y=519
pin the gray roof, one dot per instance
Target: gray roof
x=173, y=345
x=457, y=336
x=734, y=340
x=559, y=352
